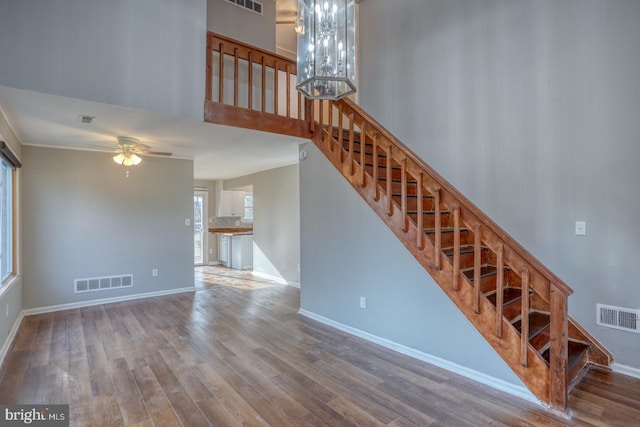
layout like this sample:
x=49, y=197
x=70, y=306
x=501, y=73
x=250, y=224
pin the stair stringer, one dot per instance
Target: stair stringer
x=536, y=374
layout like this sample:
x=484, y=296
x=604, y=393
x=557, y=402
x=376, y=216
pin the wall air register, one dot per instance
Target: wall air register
x=253, y=6
x=103, y=283
x=624, y=319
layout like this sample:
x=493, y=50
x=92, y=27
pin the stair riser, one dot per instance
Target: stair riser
x=541, y=340
x=382, y=172
x=412, y=203
x=467, y=259
x=396, y=187
x=447, y=238
x=429, y=219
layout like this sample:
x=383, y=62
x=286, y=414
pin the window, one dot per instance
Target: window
x=248, y=206
x=8, y=165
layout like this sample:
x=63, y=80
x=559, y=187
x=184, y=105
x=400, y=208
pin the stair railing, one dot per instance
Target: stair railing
x=535, y=276
x=250, y=87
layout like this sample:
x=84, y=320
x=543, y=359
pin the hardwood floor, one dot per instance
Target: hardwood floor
x=235, y=352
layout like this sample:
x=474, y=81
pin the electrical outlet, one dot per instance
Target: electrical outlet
x=187, y=222
x=299, y=269
x=581, y=228
x=210, y=251
x=154, y=272
x=363, y=302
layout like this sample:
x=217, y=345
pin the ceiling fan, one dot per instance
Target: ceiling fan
x=129, y=150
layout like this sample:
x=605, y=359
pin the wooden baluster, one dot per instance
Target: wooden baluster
x=300, y=102
x=456, y=248
x=250, y=103
x=235, y=77
x=403, y=196
x=275, y=87
x=310, y=114
x=351, y=144
x=559, y=356
x=389, y=183
x=476, y=268
x=221, y=77
x=499, y=290
x=524, y=319
x=420, y=209
x=288, y=92
x=376, y=183
x=330, y=126
x=438, y=230
x=264, y=85
x=339, y=133
x=363, y=148
x=321, y=118
x=208, y=92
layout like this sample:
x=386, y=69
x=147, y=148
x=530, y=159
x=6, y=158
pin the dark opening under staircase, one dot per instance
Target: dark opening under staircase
x=514, y=301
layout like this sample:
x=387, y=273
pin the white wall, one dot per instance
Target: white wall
x=276, y=220
x=87, y=219
x=243, y=25
x=529, y=107
x=144, y=54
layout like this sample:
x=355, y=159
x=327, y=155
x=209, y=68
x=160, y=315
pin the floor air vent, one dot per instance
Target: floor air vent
x=618, y=318
x=102, y=283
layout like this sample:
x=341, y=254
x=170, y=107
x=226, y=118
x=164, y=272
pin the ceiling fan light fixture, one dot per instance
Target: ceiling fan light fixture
x=127, y=159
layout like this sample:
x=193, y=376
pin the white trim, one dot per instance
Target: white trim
x=515, y=390
x=626, y=370
x=11, y=281
x=79, y=304
x=12, y=334
x=275, y=279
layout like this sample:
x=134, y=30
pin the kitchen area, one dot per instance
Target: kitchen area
x=229, y=232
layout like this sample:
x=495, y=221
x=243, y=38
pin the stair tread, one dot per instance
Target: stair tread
x=444, y=230
x=464, y=249
x=575, y=350
x=538, y=322
x=485, y=271
x=509, y=295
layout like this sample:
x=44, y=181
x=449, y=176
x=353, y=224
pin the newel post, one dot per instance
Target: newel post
x=559, y=354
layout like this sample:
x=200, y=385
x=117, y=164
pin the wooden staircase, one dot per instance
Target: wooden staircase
x=514, y=301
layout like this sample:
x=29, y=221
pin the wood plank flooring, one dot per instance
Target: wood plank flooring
x=235, y=352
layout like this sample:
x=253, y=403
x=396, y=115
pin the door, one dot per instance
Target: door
x=200, y=215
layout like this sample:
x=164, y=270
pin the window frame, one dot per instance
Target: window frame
x=7, y=157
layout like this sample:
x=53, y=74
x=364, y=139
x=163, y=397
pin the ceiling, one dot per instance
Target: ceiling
x=218, y=152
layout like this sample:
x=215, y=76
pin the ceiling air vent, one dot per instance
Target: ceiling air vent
x=84, y=119
x=624, y=319
x=253, y=6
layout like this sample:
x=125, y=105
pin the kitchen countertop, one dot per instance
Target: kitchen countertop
x=231, y=230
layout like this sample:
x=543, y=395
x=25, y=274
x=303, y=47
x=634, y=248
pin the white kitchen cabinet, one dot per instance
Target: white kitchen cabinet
x=232, y=203
x=224, y=249
x=242, y=252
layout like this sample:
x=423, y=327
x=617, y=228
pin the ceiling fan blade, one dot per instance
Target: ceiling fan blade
x=140, y=147
x=157, y=153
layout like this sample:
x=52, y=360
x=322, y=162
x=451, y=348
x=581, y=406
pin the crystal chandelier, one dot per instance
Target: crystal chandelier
x=326, y=48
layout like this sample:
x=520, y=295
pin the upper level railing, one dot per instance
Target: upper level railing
x=260, y=83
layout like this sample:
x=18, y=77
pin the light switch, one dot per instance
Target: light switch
x=187, y=222
x=581, y=228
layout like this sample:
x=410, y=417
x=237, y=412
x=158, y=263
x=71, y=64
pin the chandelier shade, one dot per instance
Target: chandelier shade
x=127, y=159
x=326, y=48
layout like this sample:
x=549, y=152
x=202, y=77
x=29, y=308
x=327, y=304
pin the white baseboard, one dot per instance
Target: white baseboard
x=80, y=304
x=626, y=370
x=515, y=390
x=275, y=279
x=12, y=334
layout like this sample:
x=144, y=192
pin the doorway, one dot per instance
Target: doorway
x=200, y=215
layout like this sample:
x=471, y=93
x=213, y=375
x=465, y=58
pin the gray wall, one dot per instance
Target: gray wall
x=243, y=25
x=348, y=252
x=145, y=54
x=530, y=108
x=11, y=297
x=86, y=219
x=276, y=220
